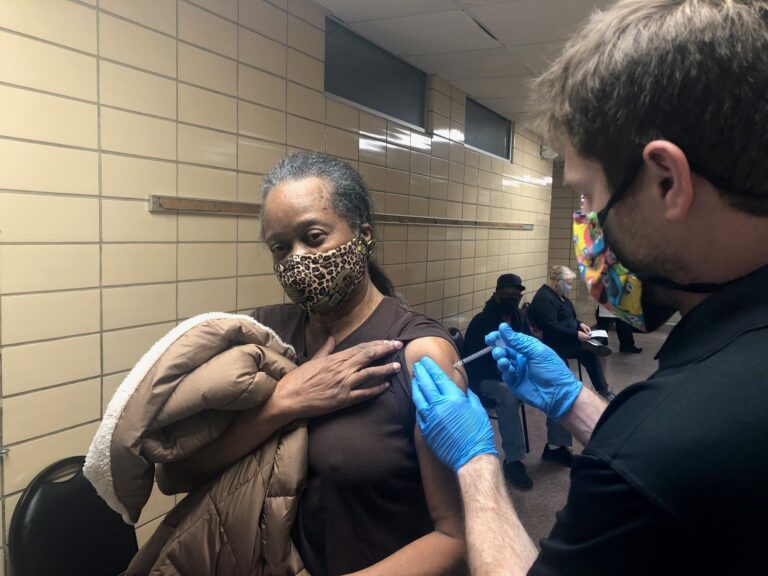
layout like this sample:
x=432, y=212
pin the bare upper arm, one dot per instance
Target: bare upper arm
x=439, y=482
x=442, y=352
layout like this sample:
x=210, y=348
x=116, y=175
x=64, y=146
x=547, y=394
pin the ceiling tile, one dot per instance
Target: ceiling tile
x=524, y=22
x=426, y=34
x=505, y=103
x=535, y=21
x=538, y=57
x=502, y=87
x=476, y=64
x=360, y=10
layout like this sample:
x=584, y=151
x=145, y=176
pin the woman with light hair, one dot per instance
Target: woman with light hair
x=559, y=272
x=554, y=314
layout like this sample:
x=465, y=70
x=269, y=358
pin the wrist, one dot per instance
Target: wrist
x=479, y=466
x=568, y=398
x=582, y=416
x=479, y=451
x=278, y=412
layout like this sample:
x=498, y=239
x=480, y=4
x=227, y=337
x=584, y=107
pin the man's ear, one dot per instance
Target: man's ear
x=667, y=168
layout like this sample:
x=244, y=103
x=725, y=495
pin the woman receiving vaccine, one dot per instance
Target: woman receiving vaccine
x=377, y=501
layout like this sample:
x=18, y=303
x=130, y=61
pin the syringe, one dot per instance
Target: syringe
x=479, y=353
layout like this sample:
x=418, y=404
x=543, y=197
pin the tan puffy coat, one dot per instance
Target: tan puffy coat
x=182, y=394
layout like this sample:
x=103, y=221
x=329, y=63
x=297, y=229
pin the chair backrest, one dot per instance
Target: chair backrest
x=458, y=338
x=525, y=312
x=62, y=526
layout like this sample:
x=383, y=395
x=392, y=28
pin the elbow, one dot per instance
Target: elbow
x=453, y=530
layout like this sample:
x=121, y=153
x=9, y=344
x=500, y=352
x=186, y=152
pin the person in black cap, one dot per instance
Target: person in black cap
x=485, y=381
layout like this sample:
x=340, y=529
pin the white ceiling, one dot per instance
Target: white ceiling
x=446, y=37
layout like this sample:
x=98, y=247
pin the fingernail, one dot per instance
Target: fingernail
x=397, y=343
x=395, y=366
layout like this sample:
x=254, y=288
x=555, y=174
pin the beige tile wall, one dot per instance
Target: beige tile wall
x=101, y=106
x=565, y=201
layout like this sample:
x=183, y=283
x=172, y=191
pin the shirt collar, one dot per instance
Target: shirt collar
x=738, y=308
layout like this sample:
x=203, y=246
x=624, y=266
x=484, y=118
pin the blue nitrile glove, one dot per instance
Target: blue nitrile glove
x=534, y=372
x=454, y=424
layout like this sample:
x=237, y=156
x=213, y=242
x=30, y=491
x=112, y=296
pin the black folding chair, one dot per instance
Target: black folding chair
x=62, y=526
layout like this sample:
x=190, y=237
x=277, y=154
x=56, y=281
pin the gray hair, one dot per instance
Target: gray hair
x=348, y=194
x=561, y=273
x=694, y=72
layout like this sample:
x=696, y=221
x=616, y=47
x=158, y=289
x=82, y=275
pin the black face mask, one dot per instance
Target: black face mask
x=509, y=305
x=660, y=280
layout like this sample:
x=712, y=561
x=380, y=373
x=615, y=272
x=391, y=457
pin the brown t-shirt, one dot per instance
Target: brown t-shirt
x=364, y=499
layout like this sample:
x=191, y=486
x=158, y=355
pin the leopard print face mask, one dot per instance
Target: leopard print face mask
x=320, y=282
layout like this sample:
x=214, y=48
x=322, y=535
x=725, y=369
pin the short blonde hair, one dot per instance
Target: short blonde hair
x=561, y=273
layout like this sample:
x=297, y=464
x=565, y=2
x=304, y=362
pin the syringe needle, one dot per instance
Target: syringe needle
x=477, y=354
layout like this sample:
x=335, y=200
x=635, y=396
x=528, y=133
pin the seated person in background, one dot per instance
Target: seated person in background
x=553, y=313
x=377, y=501
x=624, y=331
x=485, y=381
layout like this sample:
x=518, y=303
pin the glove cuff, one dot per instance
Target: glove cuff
x=566, y=401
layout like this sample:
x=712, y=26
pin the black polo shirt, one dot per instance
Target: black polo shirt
x=675, y=477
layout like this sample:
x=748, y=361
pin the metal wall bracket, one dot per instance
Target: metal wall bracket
x=201, y=206
x=177, y=205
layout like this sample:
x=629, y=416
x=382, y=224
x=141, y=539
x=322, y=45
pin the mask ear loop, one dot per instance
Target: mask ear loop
x=369, y=245
x=365, y=246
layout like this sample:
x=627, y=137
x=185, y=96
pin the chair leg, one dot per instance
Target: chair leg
x=578, y=363
x=524, y=422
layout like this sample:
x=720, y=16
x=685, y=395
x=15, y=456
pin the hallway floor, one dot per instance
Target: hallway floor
x=537, y=507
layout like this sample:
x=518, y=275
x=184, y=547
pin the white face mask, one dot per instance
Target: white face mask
x=564, y=287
